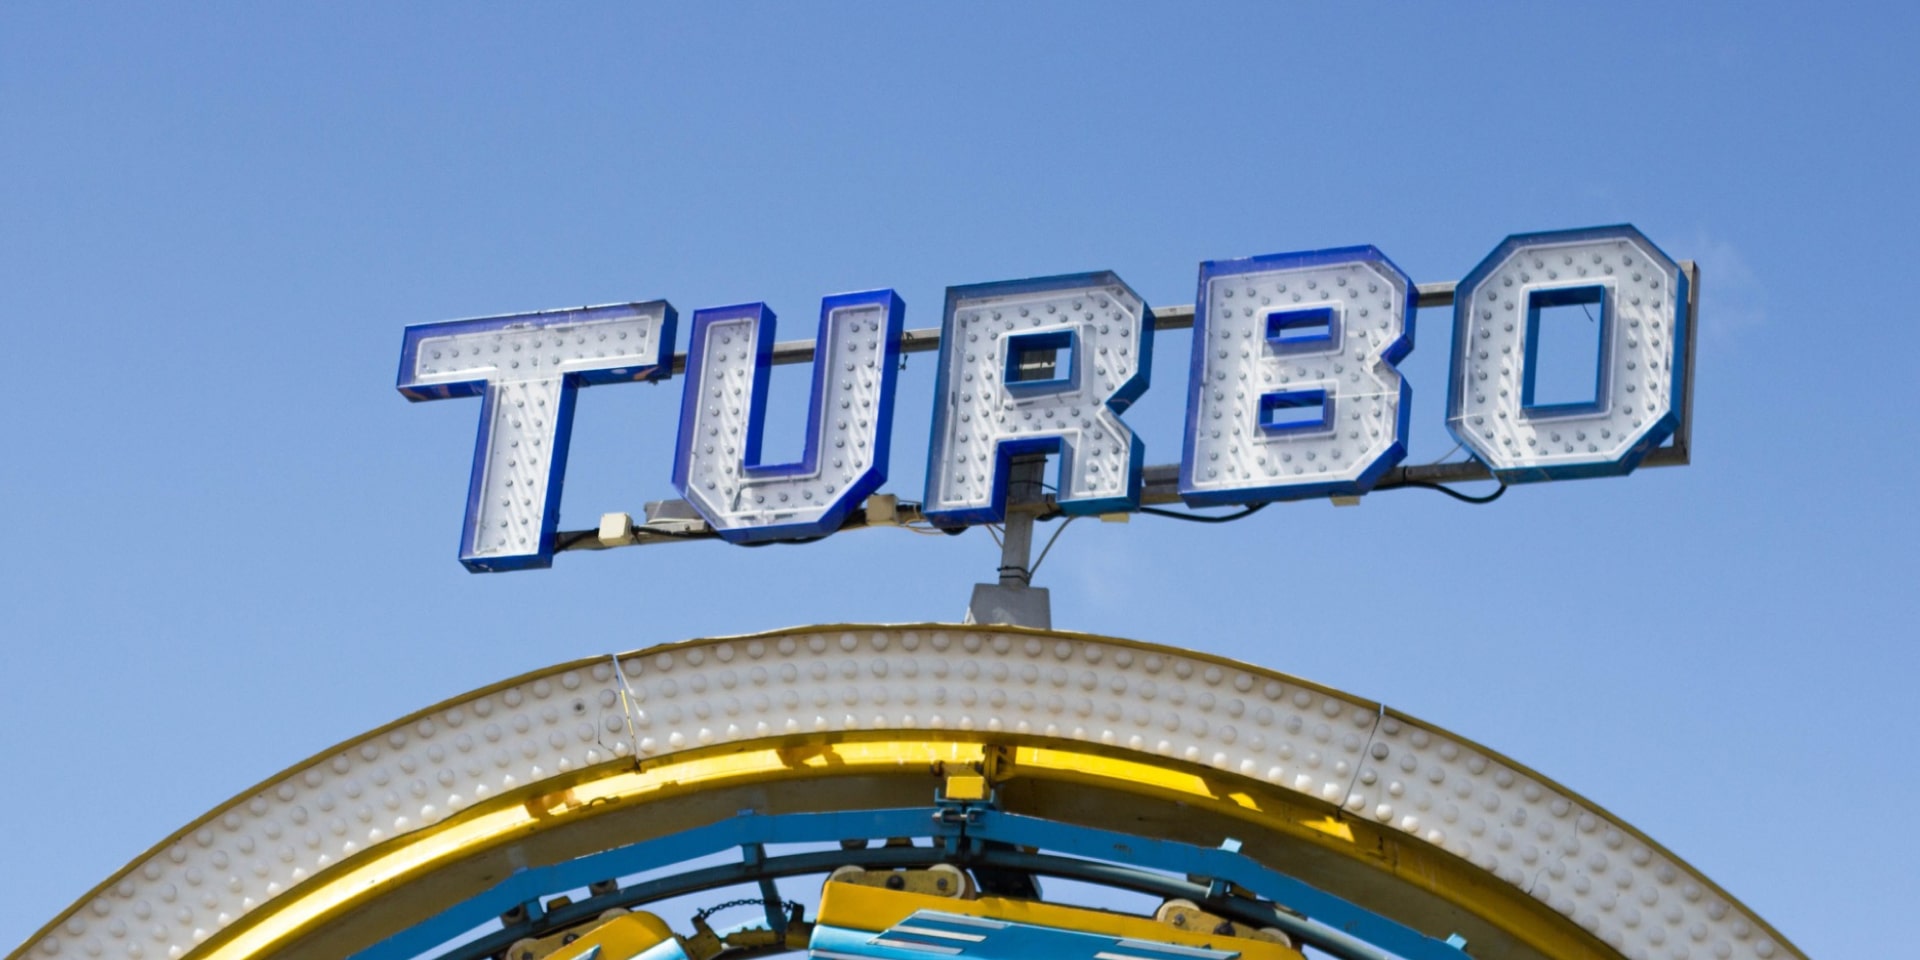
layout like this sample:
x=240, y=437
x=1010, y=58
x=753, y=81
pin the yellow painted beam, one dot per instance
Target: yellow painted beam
x=854, y=907
x=1381, y=808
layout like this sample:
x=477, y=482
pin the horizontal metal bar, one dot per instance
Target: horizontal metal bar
x=927, y=339
x=1161, y=482
x=1436, y=294
x=1160, y=486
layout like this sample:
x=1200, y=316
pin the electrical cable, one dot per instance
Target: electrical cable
x=1204, y=518
x=1044, y=550
x=1457, y=495
x=778, y=543
x=926, y=531
x=567, y=541
x=571, y=540
x=916, y=507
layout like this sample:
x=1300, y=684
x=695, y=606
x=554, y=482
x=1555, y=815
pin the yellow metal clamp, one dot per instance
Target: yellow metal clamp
x=619, y=937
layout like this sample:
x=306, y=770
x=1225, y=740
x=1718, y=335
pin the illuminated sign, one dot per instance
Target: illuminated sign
x=1293, y=391
x=716, y=463
x=1293, y=388
x=1096, y=336
x=1639, y=297
x=526, y=367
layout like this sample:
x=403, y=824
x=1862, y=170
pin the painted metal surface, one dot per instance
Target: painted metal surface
x=1396, y=804
x=864, y=923
x=716, y=464
x=1312, y=916
x=1293, y=391
x=983, y=418
x=1318, y=330
x=526, y=368
x=636, y=936
x=1640, y=391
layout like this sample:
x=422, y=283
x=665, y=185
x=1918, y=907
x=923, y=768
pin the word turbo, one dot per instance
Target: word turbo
x=1293, y=388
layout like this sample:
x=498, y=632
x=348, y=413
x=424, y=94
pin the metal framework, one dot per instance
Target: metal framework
x=1109, y=753
x=971, y=835
x=674, y=521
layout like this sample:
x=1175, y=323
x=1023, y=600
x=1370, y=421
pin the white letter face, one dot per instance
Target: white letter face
x=1624, y=285
x=716, y=462
x=528, y=366
x=1293, y=390
x=1038, y=366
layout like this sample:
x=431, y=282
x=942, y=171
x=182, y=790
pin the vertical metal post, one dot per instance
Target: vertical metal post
x=1014, y=600
x=1025, y=499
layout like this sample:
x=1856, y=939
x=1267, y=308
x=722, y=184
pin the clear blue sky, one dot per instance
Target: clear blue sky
x=229, y=543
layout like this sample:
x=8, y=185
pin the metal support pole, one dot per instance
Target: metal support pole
x=1025, y=500
x=1014, y=599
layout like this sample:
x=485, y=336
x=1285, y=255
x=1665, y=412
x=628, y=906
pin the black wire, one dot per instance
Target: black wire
x=1204, y=518
x=775, y=543
x=1228, y=518
x=569, y=542
x=574, y=539
x=1457, y=495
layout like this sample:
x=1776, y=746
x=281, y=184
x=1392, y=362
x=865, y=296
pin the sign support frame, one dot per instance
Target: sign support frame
x=672, y=521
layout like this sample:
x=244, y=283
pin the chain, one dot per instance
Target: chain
x=776, y=902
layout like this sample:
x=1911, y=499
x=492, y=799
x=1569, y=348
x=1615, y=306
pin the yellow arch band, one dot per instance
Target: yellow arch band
x=1364, y=802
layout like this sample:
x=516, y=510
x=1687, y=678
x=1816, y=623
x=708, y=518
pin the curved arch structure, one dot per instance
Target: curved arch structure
x=1112, y=737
